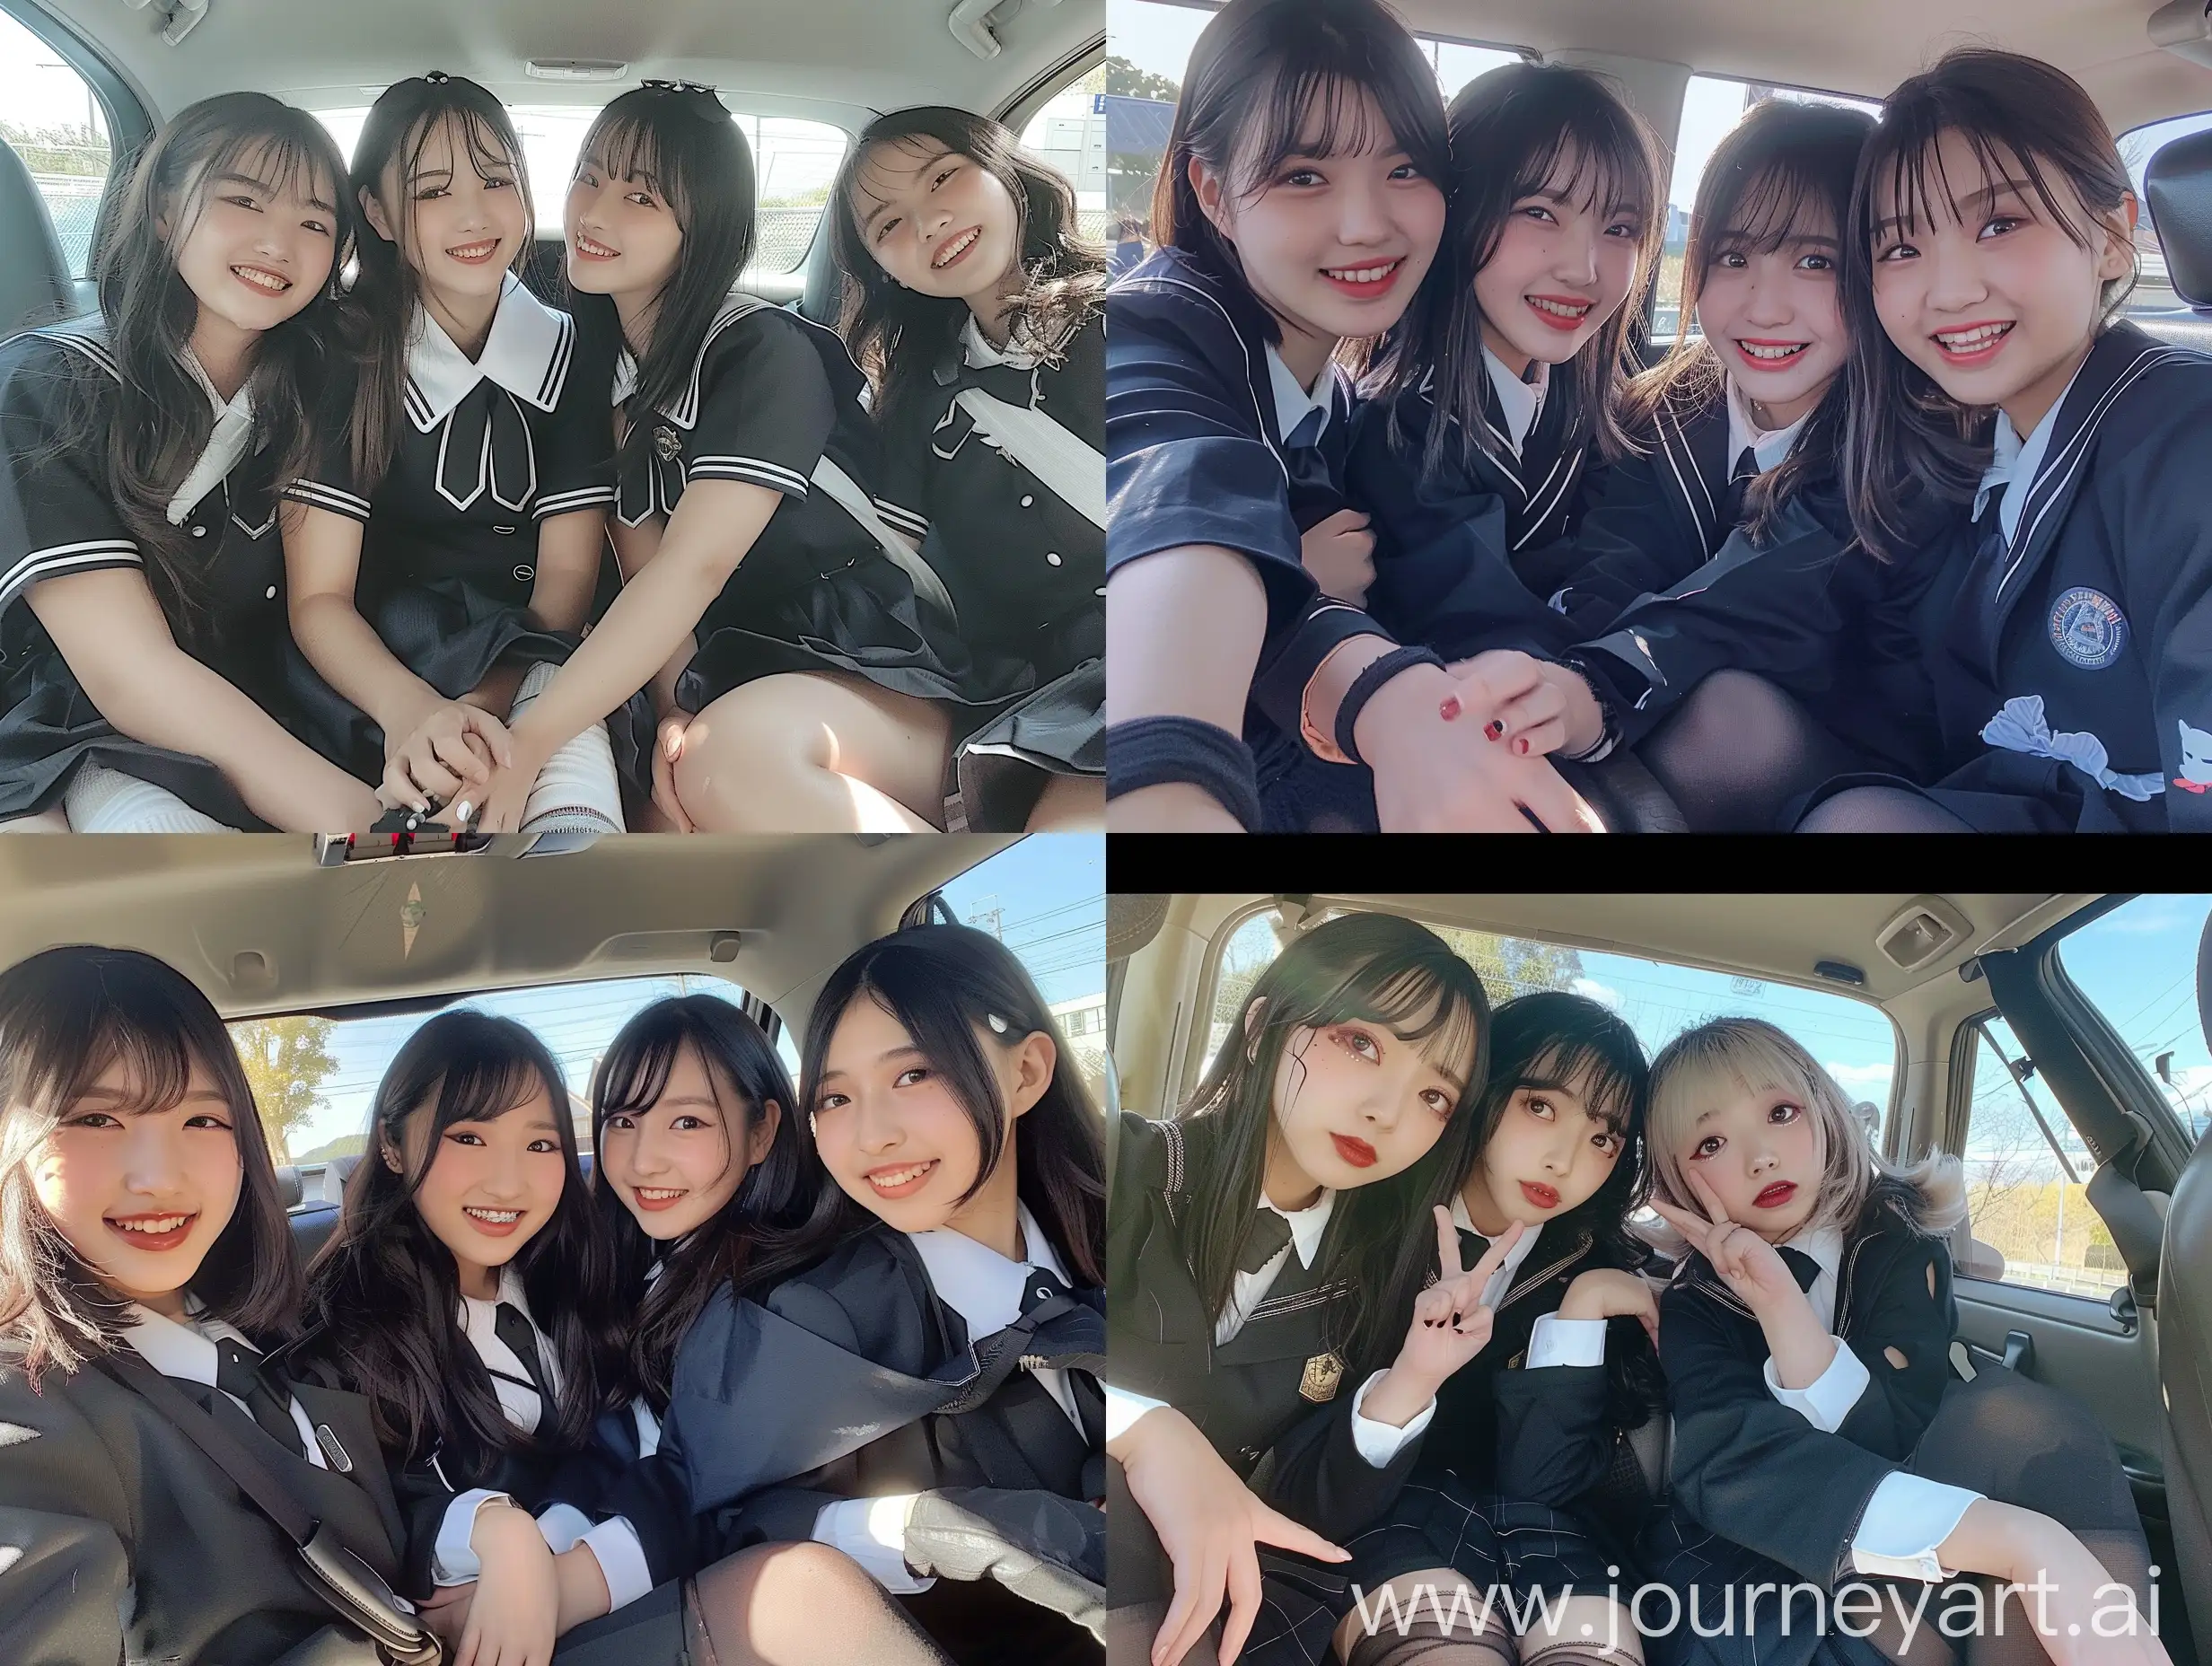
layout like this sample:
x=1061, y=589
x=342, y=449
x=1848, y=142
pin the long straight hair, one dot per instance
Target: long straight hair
x=66, y=1015
x=1377, y=969
x=944, y=984
x=681, y=143
x=149, y=439
x=1784, y=167
x=387, y=289
x=776, y=1194
x=1730, y=1057
x=1511, y=130
x=1909, y=447
x=898, y=335
x=1260, y=72
x=384, y=1293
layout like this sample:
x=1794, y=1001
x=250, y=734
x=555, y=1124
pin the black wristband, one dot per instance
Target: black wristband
x=1152, y=751
x=1608, y=724
x=1364, y=687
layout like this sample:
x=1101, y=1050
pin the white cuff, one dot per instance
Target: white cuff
x=1905, y=1520
x=1827, y=1400
x=872, y=1531
x=1556, y=1341
x=453, y=1558
x=621, y=1560
x=563, y=1526
x=1379, y=1443
x=1123, y=1408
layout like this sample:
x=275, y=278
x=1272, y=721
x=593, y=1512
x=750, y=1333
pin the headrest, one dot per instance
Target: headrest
x=34, y=281
x=2178, y=186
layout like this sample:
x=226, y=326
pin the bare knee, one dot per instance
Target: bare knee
x=1069, y=804
x=729, y=776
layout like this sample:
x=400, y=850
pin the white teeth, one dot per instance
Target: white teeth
x=1790, y=351
x=1558, y=310
x=497, y=1217
x=951, y=250
x=1960, y=341
x=890, y=1179
x=659, y=1193
x=1362, y=274
x=262, y=280
x=591, y=247
x=155, y=1224
x=473, y=251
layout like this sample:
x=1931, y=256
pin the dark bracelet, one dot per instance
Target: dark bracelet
x=1152, y=751
x=1364, y=687
x=1609, y=722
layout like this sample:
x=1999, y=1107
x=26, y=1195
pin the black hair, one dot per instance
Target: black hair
x=777, y=1193
x=944, y=984
x=1511, y=129
x=381, y=307
x=1378, y=969
x=1260, y=71
x=681, y=144
x=159, y=425
x=1909, y=447
x=898, y=335
x=66, y=1015
x=1783, y=163
x=384, y=1293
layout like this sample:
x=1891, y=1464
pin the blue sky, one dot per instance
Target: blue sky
x=1048, y=893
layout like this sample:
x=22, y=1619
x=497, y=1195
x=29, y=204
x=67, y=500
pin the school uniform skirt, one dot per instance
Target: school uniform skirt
x=1438, y=1521
x=658, y=1629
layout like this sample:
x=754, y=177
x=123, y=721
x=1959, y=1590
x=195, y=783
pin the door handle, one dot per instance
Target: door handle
x=2019, y=1351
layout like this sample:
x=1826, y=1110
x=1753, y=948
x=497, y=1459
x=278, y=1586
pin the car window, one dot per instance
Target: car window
x=795, y=161
x=313, y=1076
x=2027, y=1180
x=55, y=123
x=1711, y=106
x=2137, y=966
x=1045, y=899
x=1853, y=1039
x=2153, y=291
x=1068, y=134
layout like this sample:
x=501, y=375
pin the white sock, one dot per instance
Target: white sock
x=100, y=800
x=577, y=791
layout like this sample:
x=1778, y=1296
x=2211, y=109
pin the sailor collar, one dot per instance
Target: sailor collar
x=686, y=410
x=528, y=353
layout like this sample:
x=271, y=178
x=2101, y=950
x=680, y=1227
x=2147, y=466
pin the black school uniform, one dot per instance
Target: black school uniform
x=1524, y=1479
x=488, y=451
x=1470, y=556
x=855, y=1379
x=134, y=1546
x=1274, y=1400
x=57, y=517
x=770, y=398
x=1026, y=570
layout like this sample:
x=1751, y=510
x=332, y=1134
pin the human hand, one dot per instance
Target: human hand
x=1340, y=553
x=1747, y=1263
x=1450, y=1325
x=1607, y=1293
x=451, y=745
x=1524, y=704
x=514, y=1617
x=668, y=738
x=1434, y=775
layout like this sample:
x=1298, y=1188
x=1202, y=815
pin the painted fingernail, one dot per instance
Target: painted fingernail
x=1521, y=744
x=461, y=809
x=1450, y=708
x=1493, y=729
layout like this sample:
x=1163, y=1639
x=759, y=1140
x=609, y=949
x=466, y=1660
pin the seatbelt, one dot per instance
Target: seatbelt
x=354, y=1590
x=1071, y=471
x=856, y=503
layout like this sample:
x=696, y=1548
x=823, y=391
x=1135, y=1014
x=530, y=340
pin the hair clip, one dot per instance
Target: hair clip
x=997, y=1023
x=437, y=78
x=811, y=1129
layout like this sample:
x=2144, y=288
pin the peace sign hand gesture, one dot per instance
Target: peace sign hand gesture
x=1747, y=1263
x=1450, y=1327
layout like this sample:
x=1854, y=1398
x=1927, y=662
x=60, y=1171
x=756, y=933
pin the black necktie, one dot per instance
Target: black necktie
x=1802, y=1266
x=238, y=1373
x=1732, y=500
x=511, y=1325
x=1264, y=1240
x=1040, y=1285
x=1975, y=623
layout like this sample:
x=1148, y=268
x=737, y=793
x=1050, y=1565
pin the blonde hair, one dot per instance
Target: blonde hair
x=1732, y=1056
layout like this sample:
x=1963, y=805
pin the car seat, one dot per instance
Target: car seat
x=35, y=286
x=2185, y=1297
x=2177, y=185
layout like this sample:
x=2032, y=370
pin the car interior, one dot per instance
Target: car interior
x=1942, y=972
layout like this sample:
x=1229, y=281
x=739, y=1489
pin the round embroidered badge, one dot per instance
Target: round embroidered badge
x=2088, y=628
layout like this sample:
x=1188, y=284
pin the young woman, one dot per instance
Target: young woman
x=1818, y=1434
x=443, y=548
x=912, y=1377
x=1269, y=1243
x=142, y=682
x=1498, y=395
x=1300, y=205
x=976, y=305
x=468, y=1293
x=827, y=677
x=144, y=1238
x=1514, y=1490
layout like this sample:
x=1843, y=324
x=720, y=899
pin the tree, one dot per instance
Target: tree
x=64, y=149
x=1125, y=80
x=287, y=1062
x=1511, y=966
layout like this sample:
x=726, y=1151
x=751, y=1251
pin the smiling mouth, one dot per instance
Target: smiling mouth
x=154, y=1232
x=592, y=250
x=1364, y=282
x=1976, y=341
x=956, y=248
x=902, y=1181
x=656, y=1197
x=1770, y=352
x=474, y=254
x=1774, y=1196
x=496, y=1223
x=262, y=279
x=1560, y=312
x=1544, y=1196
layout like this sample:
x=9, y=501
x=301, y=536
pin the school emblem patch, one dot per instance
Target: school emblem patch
x=2088, y=628
x=666, y=444
x=1323, y=1372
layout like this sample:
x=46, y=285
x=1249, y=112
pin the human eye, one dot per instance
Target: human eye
x=463, y=1136
x=1816, y=263
x=1302, y=175
x=686, y=1125
x=884, y=228
x=1539, y=1106
x=92, y=1119
x=207, y=1119
x=545, y=1143
x=644, y=199
x=1359, y=1044
x=1732, y=258
x=1998, y=225
x=429, y=193
x=831, y=1102
x=942, y=175
x=1537, y=211
x=1406, y=170
x=1437, y=1101
x=1607, y=1141
x=1625, y=228
x=1785, y=1113
x=911, y=1076
x=1709, y=1146
x=1900, y=250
